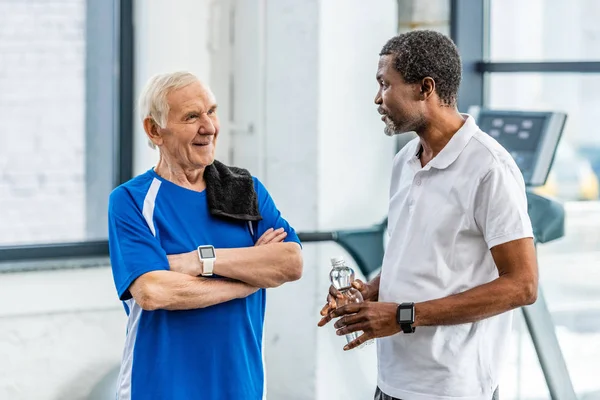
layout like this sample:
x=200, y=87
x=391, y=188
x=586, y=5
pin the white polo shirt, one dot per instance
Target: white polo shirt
x=443, y=220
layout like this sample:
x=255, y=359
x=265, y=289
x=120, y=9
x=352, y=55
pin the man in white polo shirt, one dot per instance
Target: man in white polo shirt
x=460, y=253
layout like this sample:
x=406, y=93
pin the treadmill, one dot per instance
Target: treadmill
x=532, y=138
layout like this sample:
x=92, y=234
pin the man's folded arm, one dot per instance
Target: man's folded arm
x=169, y=290
x=266, y=266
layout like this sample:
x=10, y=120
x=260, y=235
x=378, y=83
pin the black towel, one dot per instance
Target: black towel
x=230, y=192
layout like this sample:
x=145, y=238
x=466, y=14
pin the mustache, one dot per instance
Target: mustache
x=381, y=111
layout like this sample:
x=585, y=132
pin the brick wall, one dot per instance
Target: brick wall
x=42, y=131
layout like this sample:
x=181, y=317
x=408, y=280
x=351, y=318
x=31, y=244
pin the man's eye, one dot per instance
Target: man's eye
x=192, y=116
x=211, y=111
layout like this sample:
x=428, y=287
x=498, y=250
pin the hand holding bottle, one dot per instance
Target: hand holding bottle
x=344, y=290
x=334, y=296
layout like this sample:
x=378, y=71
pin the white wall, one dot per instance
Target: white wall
x=60, y=332
x=173, y=36
x=424, y=14
x=325, y=161
x=291, y=174
x=355, y=159
x=354, y=154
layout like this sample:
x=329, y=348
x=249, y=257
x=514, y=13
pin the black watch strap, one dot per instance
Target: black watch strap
x=407, y=328
x=405, y=322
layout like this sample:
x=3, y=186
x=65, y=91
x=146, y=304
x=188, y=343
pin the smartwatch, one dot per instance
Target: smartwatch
x=207, y=256
x=405, y=315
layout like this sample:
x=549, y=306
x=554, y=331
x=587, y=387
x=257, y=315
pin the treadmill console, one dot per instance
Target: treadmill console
x=531, y=137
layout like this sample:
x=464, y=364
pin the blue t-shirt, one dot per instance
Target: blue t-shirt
x=208, y=353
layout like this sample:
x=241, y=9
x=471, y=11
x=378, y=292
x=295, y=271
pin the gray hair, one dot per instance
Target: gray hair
x=153, y=99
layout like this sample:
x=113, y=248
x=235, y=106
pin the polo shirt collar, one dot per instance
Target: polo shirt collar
x=455, y=146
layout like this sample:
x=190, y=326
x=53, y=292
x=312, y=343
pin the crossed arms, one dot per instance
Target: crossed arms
x=269, y=263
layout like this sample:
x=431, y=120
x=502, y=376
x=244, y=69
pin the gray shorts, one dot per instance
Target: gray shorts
x=379, y=395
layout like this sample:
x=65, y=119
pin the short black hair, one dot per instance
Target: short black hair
x=423, y=53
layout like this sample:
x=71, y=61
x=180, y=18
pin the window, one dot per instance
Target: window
x=544, y=30
x=61, y=117
x=43, y=112
x=544, y=55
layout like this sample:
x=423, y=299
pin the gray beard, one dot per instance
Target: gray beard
x=391, y=129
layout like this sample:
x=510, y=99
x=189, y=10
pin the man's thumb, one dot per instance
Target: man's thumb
x=358, y=284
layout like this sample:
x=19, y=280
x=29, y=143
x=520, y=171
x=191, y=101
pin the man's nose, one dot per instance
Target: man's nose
x=378, y=99
x=207, y=127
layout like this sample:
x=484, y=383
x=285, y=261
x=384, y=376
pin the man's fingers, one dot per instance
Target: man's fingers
x=335, y=293
x=273, y=235
x=337, y=312
x=330, y=310
x=351, y=308
x=358, y=284
x=355, y=343
x=362, y=326
x=327, y=308
x=279, y=238
x=270, y=235
x=332, y=304
x=350, y=319
x=262, y=238
x=325, y=320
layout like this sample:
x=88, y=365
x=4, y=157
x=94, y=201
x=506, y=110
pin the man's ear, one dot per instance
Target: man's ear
x=152, y=131
x=427, y=87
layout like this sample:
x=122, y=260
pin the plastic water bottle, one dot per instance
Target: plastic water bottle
x=341, y=277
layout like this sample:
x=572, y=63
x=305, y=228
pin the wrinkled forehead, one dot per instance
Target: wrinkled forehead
x=195, y=94
x=387, y=70
x=385, y=65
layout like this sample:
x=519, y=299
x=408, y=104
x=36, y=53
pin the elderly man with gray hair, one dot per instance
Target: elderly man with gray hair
x=193, y=245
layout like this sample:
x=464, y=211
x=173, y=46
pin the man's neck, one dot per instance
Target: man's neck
x=189, y=178
x=438, y=132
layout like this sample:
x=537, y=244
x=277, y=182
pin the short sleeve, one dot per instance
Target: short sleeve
x=501, y=206
x=271, y=216
x=134, y=250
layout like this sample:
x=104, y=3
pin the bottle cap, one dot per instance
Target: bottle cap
x=337, y=260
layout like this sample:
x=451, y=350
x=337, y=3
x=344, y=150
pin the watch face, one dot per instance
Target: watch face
x=405, y=314
x=207, y=252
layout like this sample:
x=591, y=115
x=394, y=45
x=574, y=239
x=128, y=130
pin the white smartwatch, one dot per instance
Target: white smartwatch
x=207, y=257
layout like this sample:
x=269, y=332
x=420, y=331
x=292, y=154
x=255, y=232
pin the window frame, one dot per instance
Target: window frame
x=121, y=146
x=469, y=28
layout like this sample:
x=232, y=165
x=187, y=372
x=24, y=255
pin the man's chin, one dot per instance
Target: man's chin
x=392, y=131
x=203, y=162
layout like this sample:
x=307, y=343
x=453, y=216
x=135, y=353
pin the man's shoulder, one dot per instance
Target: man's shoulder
x=260, y=188
x=134, y=189
x=486, y=152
